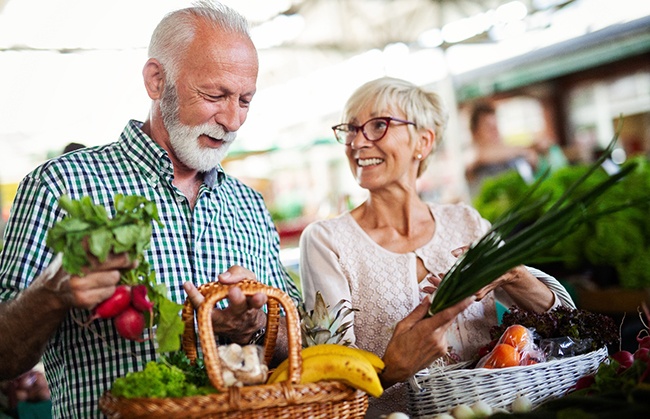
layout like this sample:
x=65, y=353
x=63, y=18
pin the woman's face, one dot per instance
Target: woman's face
x=385, y=163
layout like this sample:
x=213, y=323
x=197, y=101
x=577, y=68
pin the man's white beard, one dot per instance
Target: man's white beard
x=184, y=139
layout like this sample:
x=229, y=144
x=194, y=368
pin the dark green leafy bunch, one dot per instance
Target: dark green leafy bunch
x=195, y=372
x=560, y=322
x=619, y=241
x=158, y=380
x=502, y=248
x=89, y=228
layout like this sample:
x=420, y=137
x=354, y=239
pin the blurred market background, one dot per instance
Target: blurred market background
x=565, y=71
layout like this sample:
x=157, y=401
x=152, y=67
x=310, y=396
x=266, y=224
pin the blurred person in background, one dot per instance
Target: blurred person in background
x=386, y=256
x=72, y=147
x=490, y=156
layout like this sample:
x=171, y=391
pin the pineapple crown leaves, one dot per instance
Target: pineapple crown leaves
x=325, y=325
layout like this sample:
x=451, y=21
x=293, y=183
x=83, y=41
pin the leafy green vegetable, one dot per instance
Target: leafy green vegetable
x=618, y=241
x=88, y=228
x=159, y=380
x=577, y=324
x=195, y=372
x=502, y=248
x=86, y=223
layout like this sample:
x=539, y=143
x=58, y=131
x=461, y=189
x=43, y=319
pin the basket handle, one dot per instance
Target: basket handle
x=214, y=292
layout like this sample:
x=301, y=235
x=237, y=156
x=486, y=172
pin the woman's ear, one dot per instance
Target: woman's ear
x=154, y=78
x=426, y=142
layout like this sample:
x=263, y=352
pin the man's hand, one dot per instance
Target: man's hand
x=96, y=285
x=30, y=386
x=243, y=316
x=28, y=322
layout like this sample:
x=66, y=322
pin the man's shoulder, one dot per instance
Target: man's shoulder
x=238, y=187
x=81, y=159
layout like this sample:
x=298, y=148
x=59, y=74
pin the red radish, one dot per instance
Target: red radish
x=642, y=354
x=584, y=382
x=624, y=358
x=644, y=342
x=113, y=305
x=130, y=324
x=141, y=299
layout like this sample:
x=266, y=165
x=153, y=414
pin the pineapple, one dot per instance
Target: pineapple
x=322, y=325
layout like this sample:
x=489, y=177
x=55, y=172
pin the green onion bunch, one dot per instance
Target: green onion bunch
x=502, y=248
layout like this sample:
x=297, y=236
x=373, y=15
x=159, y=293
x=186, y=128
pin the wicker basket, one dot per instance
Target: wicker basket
x=288, y=399
x=439, y=389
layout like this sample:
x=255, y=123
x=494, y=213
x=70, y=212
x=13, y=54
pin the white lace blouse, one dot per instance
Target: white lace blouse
x=341, y=261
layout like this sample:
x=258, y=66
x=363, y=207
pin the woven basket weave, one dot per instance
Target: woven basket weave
x=288, y=399
x=439, y=389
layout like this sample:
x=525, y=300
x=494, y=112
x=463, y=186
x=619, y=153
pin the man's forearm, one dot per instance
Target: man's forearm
x=26, y=325
x=28, y=322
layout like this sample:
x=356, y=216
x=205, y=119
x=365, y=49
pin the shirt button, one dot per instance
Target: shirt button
x=180, y=199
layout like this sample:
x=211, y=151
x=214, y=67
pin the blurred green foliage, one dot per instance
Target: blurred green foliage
x=620, y=240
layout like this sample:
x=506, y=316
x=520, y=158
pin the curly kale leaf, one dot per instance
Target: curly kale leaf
x=577, y=324
x=157, y=380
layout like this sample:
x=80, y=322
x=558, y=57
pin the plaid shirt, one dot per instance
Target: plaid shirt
x=229, y=226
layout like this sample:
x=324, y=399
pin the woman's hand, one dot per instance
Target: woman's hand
x=523, y=287
x=243, y=316
x=418, y=341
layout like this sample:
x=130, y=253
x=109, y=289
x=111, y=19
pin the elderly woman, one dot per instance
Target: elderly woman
x=385, y=255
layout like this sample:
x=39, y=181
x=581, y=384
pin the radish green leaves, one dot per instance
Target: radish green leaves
x=88, y=230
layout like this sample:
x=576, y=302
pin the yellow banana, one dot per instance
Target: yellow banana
x=355, y=371
x=332, y=348
x=283, y=369
x=326, y=349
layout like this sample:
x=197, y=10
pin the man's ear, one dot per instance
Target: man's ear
x=154, y=78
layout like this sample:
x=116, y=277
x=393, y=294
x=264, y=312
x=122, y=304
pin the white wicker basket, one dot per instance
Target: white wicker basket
x=439, y=389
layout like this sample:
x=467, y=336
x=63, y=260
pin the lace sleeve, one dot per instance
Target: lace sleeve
x=320, y=270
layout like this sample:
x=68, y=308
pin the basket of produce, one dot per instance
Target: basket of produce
x=620, y=388
x=511, y=241
x=532, y=359
x=440, y=390
x=301, y=392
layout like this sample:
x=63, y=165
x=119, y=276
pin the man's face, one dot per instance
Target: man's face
x=184, y=139
x=208, y=103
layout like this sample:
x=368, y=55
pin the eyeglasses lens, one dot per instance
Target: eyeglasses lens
x=375, y=129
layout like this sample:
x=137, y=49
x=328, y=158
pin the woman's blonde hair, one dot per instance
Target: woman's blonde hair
x=423, y=107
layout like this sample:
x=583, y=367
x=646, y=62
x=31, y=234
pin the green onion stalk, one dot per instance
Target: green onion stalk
x=501, y=250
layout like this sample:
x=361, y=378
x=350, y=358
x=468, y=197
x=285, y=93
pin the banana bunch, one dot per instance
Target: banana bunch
x=355, y=367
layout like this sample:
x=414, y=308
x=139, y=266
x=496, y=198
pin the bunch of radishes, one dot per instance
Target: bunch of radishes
x=127, y=306
x=625, y=370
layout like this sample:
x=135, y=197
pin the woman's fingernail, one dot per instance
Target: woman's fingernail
x=225, y=275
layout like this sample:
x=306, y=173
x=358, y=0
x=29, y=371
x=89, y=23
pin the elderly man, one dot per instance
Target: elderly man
x=201, y=77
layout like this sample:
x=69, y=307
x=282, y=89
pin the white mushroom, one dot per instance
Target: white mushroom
x=232, y=356
x=242, y=365
x=229, y=379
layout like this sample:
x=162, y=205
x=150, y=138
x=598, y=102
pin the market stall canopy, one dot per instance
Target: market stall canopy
x=71, y=68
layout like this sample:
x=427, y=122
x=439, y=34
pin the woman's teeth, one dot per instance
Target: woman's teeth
x=368, y=162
